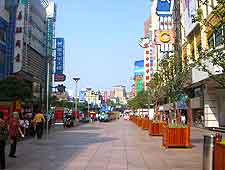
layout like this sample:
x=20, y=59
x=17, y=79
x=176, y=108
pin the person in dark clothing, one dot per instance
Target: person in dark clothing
x=14, y=131
x=3, y=138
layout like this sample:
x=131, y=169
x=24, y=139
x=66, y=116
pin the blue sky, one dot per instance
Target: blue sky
x=101, y=40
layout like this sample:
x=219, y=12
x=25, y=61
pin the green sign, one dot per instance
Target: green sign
x=139, y=86
x=25, y=2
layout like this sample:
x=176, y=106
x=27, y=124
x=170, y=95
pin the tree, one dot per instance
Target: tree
x=174, y=79
x=138, y=102
x=11, y=87
x=212, y=56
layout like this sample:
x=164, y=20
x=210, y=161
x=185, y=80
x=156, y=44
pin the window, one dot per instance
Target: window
x=18, y=29
x=211, y=41
x=1, y=58
x=2, y=35
x=218, y=37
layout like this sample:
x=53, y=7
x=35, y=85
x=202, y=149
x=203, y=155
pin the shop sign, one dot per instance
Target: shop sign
x=164, y=37
x=59, y=77
x=164, y=8
x=59, y=63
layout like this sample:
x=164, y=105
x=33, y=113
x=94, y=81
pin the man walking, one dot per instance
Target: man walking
x=39, y=120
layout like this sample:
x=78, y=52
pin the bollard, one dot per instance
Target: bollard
x=208, y=152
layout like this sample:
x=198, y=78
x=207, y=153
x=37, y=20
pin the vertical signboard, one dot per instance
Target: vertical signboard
x=189, y=12
x=59, y=63
x=19, y=38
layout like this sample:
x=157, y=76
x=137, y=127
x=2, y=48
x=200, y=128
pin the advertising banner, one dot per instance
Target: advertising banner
x=164, y=8
x=189, y=12
x=19, y=38
x=82, y=95
x=165, y=37
x=59, y=63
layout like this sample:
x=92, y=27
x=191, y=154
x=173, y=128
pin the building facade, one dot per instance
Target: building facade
x=207, y=97
x=7, y=25
x=30, y=46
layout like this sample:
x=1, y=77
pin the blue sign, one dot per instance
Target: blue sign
x=181, y=105
x=164, y=8
x=82, y=95
x=59, y=63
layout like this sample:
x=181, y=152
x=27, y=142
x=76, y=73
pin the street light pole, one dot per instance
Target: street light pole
x=88, y=89
x=76, y=79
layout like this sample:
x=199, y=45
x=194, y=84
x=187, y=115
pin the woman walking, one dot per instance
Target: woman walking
x=14, y=131
x=3, y=138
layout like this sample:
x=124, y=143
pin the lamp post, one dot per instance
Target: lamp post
x=76, y=79
x=88, y=90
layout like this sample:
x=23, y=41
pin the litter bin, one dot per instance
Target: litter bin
x=208, y=152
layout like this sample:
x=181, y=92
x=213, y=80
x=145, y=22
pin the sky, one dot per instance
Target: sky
x=101, y=40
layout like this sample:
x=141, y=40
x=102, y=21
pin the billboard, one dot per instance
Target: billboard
x=139, y=87
x=189, y=12
x=82, y=95
x=19, y=38
x=59, y=63
x=164, y=8
x=51, y=10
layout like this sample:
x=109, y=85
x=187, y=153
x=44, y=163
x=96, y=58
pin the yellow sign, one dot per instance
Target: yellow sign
x=165, y=37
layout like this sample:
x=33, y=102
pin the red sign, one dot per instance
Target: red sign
x=59, y=115
x=59, y=77
x=5, y=111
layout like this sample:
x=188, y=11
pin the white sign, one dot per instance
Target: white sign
x=19, y=38
x=189, y=13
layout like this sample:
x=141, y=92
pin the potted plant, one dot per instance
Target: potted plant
x=219, y=155
x=176, y=136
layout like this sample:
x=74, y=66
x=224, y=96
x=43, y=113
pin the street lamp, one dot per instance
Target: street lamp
x=76, y=79
x=88, y=89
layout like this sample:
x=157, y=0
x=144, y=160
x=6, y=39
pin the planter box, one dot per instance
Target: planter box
x=145, y=123
x=156, y=128
x=219, y=157
x=176, y=137
x=139, y=122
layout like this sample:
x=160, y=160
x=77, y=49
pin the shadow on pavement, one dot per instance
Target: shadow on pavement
x=58, y=150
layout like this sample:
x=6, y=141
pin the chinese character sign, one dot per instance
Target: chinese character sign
x=59, y=63
x=19, y=38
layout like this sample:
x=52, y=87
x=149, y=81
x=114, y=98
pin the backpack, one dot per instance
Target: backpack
x=4, y=132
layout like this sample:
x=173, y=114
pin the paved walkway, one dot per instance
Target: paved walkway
x=117, y=145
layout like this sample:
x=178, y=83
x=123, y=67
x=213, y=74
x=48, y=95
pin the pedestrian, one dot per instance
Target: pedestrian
x=3, y=139
x=39, y=120
x=183, y=120
x=14, y=131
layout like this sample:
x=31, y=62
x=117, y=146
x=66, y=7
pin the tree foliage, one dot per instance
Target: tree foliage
x=139, y=101
x=14, y=88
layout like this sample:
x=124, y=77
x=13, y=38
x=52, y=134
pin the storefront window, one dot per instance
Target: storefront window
x=218, y=37
x=2, y=35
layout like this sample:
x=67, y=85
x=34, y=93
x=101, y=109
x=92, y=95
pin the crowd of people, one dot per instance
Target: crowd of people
x=18, y=126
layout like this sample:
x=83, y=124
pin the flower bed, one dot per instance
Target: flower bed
x=145, y=123
x=156, y=128
x=219, y=156
x=176, y=136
